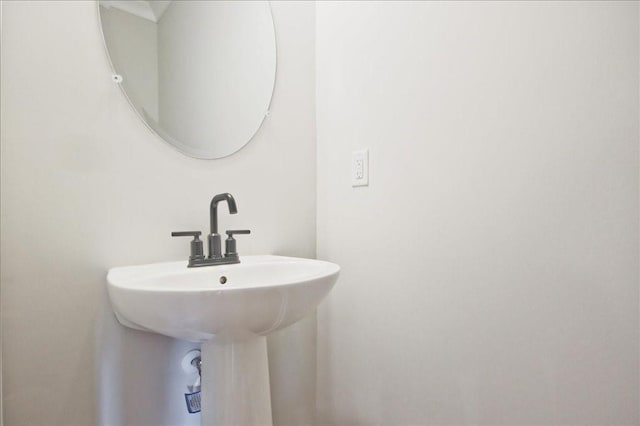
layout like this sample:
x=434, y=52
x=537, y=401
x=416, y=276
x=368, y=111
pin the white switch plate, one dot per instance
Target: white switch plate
x=360, y=168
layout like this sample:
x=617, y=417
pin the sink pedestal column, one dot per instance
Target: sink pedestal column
x=235, y=383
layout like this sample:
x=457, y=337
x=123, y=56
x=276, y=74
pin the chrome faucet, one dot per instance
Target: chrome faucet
x=214, y=244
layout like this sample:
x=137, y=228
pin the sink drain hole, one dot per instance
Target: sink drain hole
x=223, y=279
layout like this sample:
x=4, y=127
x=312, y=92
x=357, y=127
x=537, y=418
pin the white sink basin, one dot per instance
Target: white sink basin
x=229, y=308
x=257, y=296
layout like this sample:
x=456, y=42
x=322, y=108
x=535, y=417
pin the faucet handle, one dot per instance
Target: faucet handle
x=194, y=234
x=197, y=252
x=230, y=242
x=232, y=232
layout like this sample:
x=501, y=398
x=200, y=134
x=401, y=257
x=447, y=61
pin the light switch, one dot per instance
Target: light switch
x=360, y=168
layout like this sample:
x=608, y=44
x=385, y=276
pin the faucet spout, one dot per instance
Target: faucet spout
x=214, y=242
x=213, y=210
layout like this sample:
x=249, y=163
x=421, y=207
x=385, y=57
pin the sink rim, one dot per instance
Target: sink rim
x=117, y=276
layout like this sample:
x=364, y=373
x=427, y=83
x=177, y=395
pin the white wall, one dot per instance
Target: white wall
x=490, y=270
x=85, y=186
x=1, y=415
x=1, y=72
x=133, y=46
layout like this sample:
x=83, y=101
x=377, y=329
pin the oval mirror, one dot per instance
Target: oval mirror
x=199, y=73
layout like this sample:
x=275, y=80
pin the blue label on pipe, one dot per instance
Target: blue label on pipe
x=193, y=402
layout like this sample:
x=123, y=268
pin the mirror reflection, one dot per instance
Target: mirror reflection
x=199, y=73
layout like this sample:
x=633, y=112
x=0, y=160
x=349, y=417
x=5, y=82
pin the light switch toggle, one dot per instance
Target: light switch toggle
x=360, y=168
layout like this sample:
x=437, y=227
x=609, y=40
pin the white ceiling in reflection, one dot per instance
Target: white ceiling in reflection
x=151, y=10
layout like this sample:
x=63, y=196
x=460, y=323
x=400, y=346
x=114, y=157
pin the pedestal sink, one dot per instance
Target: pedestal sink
x=230, y=309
